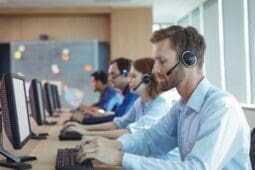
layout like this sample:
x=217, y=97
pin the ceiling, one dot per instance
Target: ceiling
x=164, y=11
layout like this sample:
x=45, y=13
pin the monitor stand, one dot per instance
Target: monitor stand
x=38, y=136
x=14, y=162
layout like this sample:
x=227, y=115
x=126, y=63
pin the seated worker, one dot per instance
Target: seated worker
x=117, y=76
x=109, y=99
x=207, y=124
x=147, y=110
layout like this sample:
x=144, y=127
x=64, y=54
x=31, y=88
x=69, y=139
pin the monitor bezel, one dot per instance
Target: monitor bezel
x=13, y=115
x=57, y=97
x=49, y=103
x=34, y=102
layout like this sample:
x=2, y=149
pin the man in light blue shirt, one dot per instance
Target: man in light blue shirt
x=207, y=124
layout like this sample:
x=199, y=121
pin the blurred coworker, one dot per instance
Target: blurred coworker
x=207, y=124
x=147, y=110
x=109, y=99
x=118, y=77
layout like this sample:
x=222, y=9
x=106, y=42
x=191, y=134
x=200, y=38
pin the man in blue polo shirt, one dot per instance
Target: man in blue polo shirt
x=117, y=76
x=109, y=99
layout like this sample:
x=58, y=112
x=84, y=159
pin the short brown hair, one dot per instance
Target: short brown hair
x=145, y=65
x=183, y=39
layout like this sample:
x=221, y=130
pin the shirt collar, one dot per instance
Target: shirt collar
x=196, y=99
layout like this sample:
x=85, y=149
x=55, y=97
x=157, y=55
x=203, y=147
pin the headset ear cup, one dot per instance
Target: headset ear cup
x=188, y=59
x=146, y=78
x=124, y=73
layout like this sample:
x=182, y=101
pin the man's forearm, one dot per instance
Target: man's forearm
x=112, y=134
x=101, y=126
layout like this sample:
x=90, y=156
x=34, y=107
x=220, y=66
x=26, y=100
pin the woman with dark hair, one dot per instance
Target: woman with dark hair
x=147, y=110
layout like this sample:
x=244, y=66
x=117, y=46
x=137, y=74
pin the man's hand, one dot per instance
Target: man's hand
x=95, y=112
x=101, y=149
x=78, y=117
x=81, y=131
x=76, y=124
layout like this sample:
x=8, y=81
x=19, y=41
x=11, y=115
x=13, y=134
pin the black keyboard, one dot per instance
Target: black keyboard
x=66, y=135
x=66, y=161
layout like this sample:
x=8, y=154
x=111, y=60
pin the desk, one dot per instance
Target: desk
x=46, y=150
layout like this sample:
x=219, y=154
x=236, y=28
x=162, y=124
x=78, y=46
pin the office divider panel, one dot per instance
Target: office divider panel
x=69, y=62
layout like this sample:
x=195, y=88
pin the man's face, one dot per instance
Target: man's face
x=93, y=84
x=114, y=76
x=165, y=58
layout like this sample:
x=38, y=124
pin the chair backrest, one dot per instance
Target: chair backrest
x=252, y=148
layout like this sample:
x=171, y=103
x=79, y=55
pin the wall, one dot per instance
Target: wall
x=126, y=29
x=130, y=32
x=18, y=28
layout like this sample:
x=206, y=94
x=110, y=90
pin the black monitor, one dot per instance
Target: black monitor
x=49, y=98
x=37, y=103
x=16, y=119
x=56, y=99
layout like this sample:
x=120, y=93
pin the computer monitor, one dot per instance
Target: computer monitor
x=16, y=119
x=48, y=96
x=37, y=103
x=56, y=99
x=54, y=96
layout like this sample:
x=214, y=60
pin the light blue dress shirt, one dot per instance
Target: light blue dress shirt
x=143, y=115
x=210, y=130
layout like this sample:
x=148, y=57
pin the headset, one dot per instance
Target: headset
x=124, y=73
x=146, y=79
x=187, y=57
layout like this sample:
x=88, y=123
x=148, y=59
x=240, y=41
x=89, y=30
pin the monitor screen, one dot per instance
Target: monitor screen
x=36, y=101
x=21, y=108
x=40, y=99
x=15, y=110
x=49, y=99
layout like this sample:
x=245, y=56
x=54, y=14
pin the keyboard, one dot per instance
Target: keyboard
x=66, y=161
x=69, y=135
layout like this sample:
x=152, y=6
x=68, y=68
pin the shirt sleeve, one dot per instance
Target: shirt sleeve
x=96, y=120
x=219, y=138
x=159, y=109
x=146, y=142
x=122, y=122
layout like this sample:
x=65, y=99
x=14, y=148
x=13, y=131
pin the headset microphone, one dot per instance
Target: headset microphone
x=146, y=80
x=123, y=73
x=114, y=77
x=134, y=89
x=172, y=69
